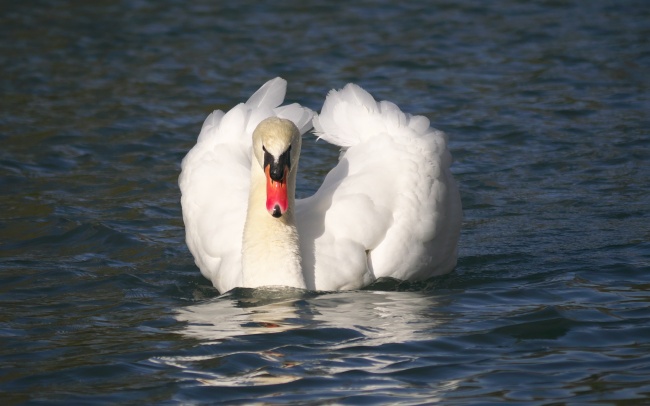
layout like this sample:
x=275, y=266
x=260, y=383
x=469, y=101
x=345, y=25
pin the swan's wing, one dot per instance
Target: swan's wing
x=389, y=208
x=215, y=179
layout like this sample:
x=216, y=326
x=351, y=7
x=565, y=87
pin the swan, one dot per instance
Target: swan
x=389, y=208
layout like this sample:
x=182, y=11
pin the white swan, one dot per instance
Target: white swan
x=390, y=208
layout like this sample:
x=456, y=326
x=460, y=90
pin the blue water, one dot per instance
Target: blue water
x=546, y=105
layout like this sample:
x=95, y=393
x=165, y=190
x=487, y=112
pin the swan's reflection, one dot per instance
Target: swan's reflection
x=379, y=316
x=253, y=337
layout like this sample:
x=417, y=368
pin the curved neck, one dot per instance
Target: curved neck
x=271, y=247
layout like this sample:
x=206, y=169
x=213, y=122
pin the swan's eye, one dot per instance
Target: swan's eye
x=268, y=158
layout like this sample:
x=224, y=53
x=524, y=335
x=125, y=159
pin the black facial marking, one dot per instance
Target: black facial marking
x=276, y=170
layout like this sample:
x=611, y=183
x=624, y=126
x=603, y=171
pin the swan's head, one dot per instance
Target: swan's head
x=276, y=146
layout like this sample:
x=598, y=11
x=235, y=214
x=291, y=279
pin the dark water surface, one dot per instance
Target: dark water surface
x=547, y=108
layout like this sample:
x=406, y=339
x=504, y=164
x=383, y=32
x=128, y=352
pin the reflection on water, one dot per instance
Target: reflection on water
x=379, y=317
x=245, y=313
x=285, y=320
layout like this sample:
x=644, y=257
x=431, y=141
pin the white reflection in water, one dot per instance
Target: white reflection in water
x=327, y=322
x=381, y=317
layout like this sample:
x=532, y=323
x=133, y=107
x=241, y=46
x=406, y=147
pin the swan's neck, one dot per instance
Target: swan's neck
x=271, y=248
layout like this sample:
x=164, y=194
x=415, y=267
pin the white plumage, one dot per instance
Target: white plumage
x=390, y=208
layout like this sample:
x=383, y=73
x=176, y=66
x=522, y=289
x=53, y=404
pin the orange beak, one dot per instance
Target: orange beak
x=277, y=201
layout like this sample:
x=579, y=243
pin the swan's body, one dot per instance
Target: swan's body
x=390, y=208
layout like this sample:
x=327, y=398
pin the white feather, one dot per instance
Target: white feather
x=270, y=95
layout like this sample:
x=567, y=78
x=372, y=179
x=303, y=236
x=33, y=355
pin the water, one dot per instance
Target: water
x=546, y=105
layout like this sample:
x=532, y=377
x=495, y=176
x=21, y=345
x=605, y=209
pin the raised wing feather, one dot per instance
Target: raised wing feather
x=389, y=208
x=270, y=94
